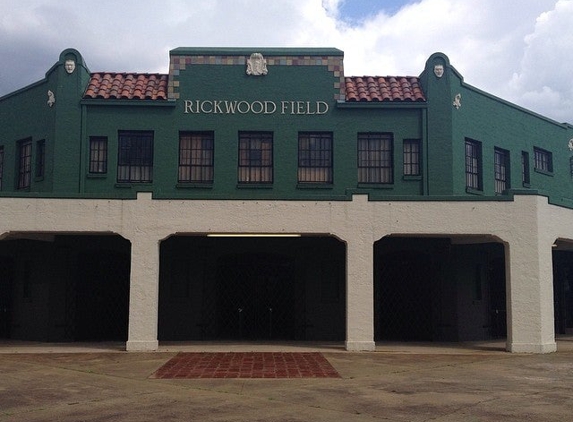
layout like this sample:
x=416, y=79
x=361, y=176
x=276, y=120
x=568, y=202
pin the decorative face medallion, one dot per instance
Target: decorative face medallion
x=70, y=66
x=439, y=70
x=257, y=65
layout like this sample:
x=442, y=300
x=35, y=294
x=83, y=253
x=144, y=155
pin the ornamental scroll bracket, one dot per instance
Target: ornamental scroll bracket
x=51, y=99
x=457, y=101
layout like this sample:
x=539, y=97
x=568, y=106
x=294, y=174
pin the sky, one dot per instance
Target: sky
x=519, y=50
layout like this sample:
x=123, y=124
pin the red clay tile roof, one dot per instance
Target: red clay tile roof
x=383, y=88
x=153, y=86
x=127, y=86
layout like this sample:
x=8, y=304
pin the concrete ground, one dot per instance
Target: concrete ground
x=397, y=382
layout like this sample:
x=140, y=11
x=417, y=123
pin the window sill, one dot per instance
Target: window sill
x=97, y=175
x=412, y=177
x=39, y=179
x=132, y=184
x=254, y=186
x=526, y=185
x=545, y=172
x=473, y=191
x=375, y=185
x=194, y=185
x=314, y=186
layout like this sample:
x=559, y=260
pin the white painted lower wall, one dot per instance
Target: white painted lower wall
x=527, y=226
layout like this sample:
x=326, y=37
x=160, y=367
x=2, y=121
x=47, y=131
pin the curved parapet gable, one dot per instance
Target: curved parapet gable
x=72, y=60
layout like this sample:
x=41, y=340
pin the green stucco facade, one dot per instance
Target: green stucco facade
x=159, y=207
x=209, y=90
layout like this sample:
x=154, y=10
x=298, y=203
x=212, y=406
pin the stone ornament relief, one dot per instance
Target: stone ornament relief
x=70, y=66
x=51, y=98
x=439, y=70
x=457, y=101
x=570, y=144
x=257, y=65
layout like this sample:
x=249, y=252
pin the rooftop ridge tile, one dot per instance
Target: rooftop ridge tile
x=127, y=86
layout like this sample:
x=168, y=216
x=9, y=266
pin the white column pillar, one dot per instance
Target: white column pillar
x=530, y=321
x=144, y=294
x=360, y=293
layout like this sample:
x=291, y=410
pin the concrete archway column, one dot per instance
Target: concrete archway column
x=144, y=294
x=530, y=322
x=360, y=293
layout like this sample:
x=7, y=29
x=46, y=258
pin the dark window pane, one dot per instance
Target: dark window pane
x=40, y=158
x=375, y=158
x=501, y=170
x=411, y=157
x=315, y=157
x=24, y=164
x=196, y=159
x=255, y=157
x=98, y=154
x=473, y=165
x=135, y=157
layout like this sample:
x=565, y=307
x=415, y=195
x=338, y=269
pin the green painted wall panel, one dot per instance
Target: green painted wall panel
x=285, y=103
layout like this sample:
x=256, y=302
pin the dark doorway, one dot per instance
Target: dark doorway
x=252, y=288
x=404, y=296
x=563, y=291
x=102, y=296
x=439, y=289
x=497, y=299
x=256, y=297
x=6, y=283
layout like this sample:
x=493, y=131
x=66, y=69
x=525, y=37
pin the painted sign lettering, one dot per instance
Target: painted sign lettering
x=255, y=107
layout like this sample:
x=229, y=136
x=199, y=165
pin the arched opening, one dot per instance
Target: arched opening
x=563, y=286
x=252, y=288
x=439, y=289
x=57, y=287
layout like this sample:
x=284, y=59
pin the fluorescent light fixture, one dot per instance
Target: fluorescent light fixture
x=253, y=235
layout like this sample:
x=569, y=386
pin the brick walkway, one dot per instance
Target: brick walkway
x=247, y=365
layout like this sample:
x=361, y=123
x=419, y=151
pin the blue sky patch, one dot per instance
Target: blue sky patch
x=354, y=11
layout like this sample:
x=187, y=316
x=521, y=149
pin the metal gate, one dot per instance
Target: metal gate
x=254, y=298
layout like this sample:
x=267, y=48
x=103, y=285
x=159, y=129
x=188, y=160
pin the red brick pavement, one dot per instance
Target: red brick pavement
x=247, y=365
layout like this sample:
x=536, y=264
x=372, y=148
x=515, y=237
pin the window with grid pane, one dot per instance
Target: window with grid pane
x=315, y=157
x=98, y=155
x=255, y=157
x=525, y=168
x=196, y=160
x=501, y=170
x=24, y=164
x=1, y=165
x=411, y=157
x=40, y=158
x=375, y=158
x=135, y=158
x=543, y=160
x=473, y=165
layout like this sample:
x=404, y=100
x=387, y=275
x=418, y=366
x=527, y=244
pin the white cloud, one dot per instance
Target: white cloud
x=517, y=50
x=544, y=78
